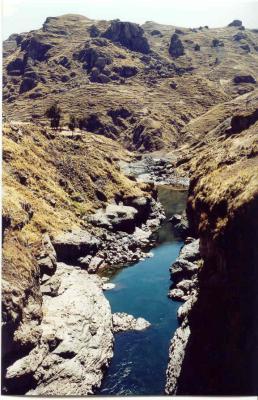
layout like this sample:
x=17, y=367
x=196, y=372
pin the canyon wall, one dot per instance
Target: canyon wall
x=214, y=351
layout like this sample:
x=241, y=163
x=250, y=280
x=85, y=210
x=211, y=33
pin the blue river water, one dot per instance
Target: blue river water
x=140, y=358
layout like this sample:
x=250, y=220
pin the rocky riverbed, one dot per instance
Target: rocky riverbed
x=157, y=170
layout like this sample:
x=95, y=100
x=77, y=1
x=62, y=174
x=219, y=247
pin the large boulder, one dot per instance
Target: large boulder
x=16, y=67
x=183, y=269
x=244, y=79
x=27, y=85
x=123, y=322
x=190, y=251
x=35, y=49
x=236, y=23
x=180, y=224
x=128, y=34
x=116, y=218
x=70, y=246
x=92, y=57
x=176, y=48
x=141, y=204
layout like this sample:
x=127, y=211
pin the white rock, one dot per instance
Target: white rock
x=125, y=322
x=108, y=286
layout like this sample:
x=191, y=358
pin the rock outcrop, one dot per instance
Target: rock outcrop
x=77, y=340
x=129, y=35
x=176, y=48
x=116, y=218
x=123, y=322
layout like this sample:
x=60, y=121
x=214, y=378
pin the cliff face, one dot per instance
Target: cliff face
x=218, y=339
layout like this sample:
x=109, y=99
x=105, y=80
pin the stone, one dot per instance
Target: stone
x=244, y=79
x=246, y=47
x=35, y=49
x=176, y=48
x=27, y=85
x=70, y=246
x=186, y=285
x=94, y=264
x=93, y=57
x=94, y=31
x=239, y=36
x=47, y=257
x=108, y=286
x=16, y=67
x=129, y=35
x=116, y=218
x=123, y=322
x=185, y=308
x=236, y=23
x=217, y=43
x=156, y=32
x=183, y=269
x=176, y=294
x=180, y=224
x=141, y=204
x=126, y=71
x=190, y=251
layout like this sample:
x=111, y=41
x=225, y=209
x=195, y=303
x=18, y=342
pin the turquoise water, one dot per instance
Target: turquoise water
x=140, y=358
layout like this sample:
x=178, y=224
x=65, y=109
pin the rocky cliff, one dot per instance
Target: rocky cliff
x=214, y=352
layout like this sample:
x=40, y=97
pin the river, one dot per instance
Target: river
x=140, y=358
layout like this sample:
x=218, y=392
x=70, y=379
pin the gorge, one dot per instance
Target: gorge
x=153, y=120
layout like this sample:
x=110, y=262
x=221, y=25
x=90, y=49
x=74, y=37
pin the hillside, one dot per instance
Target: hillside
x=138, y=85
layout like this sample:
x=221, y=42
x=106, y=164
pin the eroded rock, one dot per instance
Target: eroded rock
x=124, y=322
x=128, y=34
x=176, y=48
x=77, y=339
x=70, y=246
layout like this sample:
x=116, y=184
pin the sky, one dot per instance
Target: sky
x=25, y=15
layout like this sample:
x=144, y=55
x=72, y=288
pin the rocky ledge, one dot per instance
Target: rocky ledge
x=120, y=241
x=77, y=339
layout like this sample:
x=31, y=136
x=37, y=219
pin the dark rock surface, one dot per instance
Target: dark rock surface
x=128, y=34
x=72, y=245
x=244, y=79
x=236, y=23
x=176, y=48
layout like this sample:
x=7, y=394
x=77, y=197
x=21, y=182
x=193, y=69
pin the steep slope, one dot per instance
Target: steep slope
x=51, y=181
x=142, y=93
x=218, y=332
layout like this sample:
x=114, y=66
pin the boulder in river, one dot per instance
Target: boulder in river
x=180, y=224
x=125, y=322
